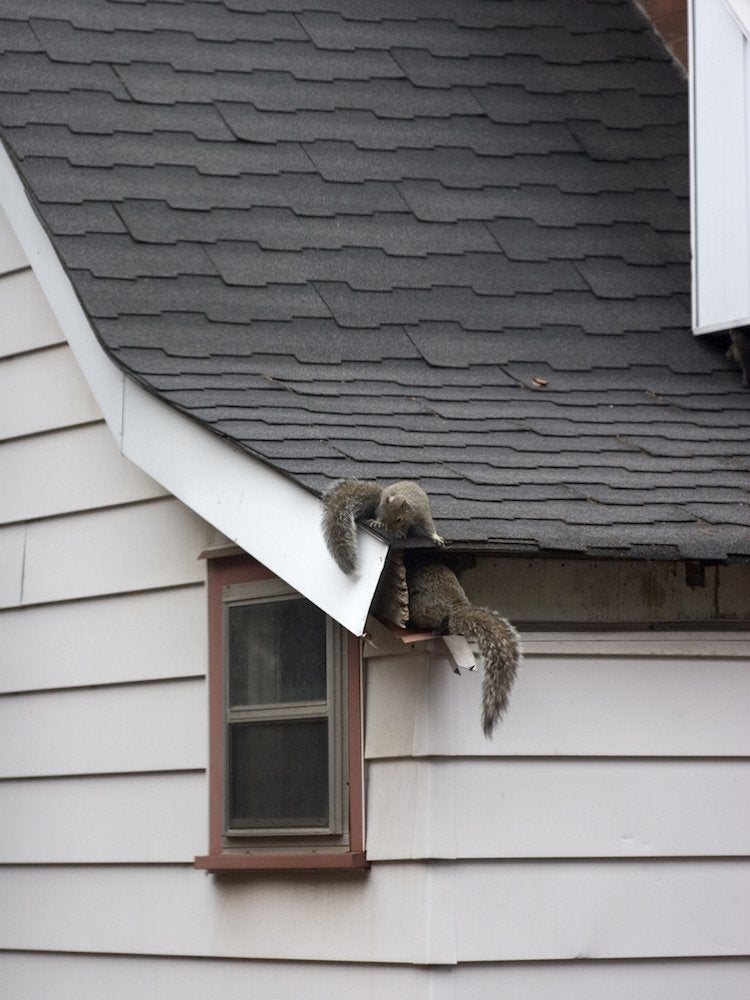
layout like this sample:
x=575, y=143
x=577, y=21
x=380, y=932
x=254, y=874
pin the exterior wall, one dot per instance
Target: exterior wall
x=595, y=847
x=598, y=844
x=102, y=619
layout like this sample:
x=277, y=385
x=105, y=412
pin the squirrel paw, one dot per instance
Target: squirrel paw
x=372, y=522
x=437, y=539
x=382, y=526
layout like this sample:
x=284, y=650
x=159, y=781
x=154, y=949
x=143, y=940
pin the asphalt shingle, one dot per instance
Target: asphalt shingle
x=445, y=240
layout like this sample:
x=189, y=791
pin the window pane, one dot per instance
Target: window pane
x=278, y=774
x=277, y=653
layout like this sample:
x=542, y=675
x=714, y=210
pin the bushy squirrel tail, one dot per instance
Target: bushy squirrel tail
x=500, y=647
x=437, y=600
x=344, y=502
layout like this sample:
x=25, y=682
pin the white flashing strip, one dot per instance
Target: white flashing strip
x=740, y=11
x=267, y=515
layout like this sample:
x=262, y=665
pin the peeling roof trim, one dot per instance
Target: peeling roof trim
x=265, y=513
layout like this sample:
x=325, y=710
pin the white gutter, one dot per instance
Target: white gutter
x=267, y=515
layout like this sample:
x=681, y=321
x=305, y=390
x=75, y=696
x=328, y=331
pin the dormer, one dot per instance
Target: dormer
x=720, y=163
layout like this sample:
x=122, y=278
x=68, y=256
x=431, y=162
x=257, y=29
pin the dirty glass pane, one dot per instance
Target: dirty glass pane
x=277, y=653
x=278, y=774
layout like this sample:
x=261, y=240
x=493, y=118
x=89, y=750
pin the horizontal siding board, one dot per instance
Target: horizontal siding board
x=72, y=470
x=182, y=911
x=604, y=910
x=567, y=705
x=557, y=809
x=89, y=977
x=139, y=727
x=123, y=549
x=96, y=641
x=26, y=320
x=516, y=911
x=43, y=391
x=613, y=980
x=12, y=544
x=115, y=819
x=83, y=977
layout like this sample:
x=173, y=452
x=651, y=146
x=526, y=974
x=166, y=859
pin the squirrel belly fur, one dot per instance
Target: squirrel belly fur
x=396, y=509
x=437, y=601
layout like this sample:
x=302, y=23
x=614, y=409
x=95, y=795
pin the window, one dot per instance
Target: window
x=285, y=763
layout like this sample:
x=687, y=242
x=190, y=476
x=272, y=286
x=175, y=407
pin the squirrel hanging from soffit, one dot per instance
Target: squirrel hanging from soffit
x=436, y=598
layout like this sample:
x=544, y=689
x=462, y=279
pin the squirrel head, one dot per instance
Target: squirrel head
x=398, y=512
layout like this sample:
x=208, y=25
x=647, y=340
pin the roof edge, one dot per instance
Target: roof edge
x=269, y=516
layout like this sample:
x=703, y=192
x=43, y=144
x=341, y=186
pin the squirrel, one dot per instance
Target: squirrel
x=396, y=509
x=739, y=352
x=438, y=601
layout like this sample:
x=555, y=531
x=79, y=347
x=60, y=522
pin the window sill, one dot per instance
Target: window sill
x=219, y=863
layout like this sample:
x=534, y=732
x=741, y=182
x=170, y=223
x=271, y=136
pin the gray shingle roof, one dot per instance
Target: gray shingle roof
x=445, y=240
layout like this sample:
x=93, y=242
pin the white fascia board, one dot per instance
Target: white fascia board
x=260, y=510
x=740, y=11
x=266, y=514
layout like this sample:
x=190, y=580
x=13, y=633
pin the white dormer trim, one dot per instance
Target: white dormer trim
x=267, y=515
x=720, y=163
x=740, y=11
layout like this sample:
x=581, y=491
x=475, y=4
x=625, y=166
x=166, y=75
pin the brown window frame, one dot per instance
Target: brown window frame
x=233, y=570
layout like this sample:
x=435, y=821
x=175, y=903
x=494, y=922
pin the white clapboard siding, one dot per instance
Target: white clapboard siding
x=151, y=635
x=78, y=977
x=26, y=320
x=538, y=808
x=182, y=911
x=122, y=549
x=12, y=257
x=42, y=391
x=564, y=705
x=72, y=470
x=114, y=819
x=587, y=980
x=12, y=542
x=84, y=977
x=136, y=727
x=417, y=913
x=607, y=910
